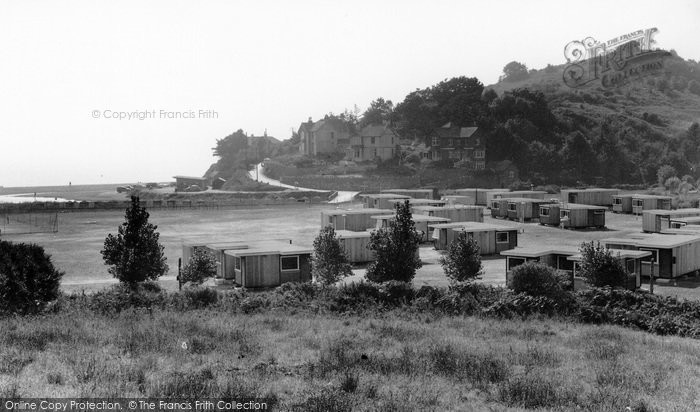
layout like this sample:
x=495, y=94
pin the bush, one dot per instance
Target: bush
x=462, y=261
x=201, y=297
x=600, y=267
x=538, y=279
x=329, y=264
x=28, y=279
x=200, y=267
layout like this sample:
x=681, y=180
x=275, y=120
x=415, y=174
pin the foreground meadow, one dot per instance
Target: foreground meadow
x=313, y=358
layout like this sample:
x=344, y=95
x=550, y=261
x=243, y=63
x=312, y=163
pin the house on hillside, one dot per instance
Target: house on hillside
x=327, y=136
x=183, y=183
x=264, y=144
x=464, y=146
x=372, y=143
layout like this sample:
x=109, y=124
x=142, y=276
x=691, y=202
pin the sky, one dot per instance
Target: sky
x=196, y=71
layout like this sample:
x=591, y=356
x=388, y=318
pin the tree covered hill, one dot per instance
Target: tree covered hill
x=622, y=135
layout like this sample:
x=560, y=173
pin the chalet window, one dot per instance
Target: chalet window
x=637, y=202
x=501, y=237
x=617, y=201
x=375, y=151
x=480, y=165
x=357, y=153
x=237, y=263
x=563, y=214
x=495, y=205
x=371, y=140
x=511, y=175
x=451, y=142
x=436, y=141
x=676, y=225
x=544, y=211
x=564, y=264
x=514, y=262
x=599, y=212
x=479, y=154
x=332, y=135
x=289, y=262
x=654, y=255
x=512, y=206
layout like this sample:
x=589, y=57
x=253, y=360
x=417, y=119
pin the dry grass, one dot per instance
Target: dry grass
x=323, y=362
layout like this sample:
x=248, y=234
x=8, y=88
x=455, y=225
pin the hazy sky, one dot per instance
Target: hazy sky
x=66, y=68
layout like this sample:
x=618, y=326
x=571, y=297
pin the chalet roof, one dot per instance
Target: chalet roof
x=655, y=240
x=349, y=234
x=385, y=196
x=472, y=226
x=446, y=207
x=407, y=190
x=190, y=177
x=522, y=200
x=416, y=202
x=365, y=211
x=690, y=220
x=619, y=253
x=651, y=197
x=571, y=206
x=269, y=248
x=590, y=189
x=678, y=212
x=416, y=218
x=532, y=252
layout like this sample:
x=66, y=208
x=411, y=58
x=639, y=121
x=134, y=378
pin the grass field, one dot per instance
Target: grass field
x=75, y=248
x=394, y=361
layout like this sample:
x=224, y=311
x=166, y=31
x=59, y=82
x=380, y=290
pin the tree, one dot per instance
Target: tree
x=135, y=254
x=396, y=248
x=462, y=261
x=600, y=267
x=664, y=173
x=379, y=111
x=200, y=267
x=513, y=71
x=28, y=278
x=329, y=264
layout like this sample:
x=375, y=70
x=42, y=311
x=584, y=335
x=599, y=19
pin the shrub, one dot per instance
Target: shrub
x=201, y=266
x=201, y=297
x=329, y=263
x=600, y=267
x=135, y=254
x=538, y=279
x=462, y=261
x=28, y=279
x=396, y=248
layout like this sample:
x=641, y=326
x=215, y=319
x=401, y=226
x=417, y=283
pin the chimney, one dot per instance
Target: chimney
x=310, y=121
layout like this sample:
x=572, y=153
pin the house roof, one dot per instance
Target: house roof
x=448, y=131
x=330, y=122
x=375, y=130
